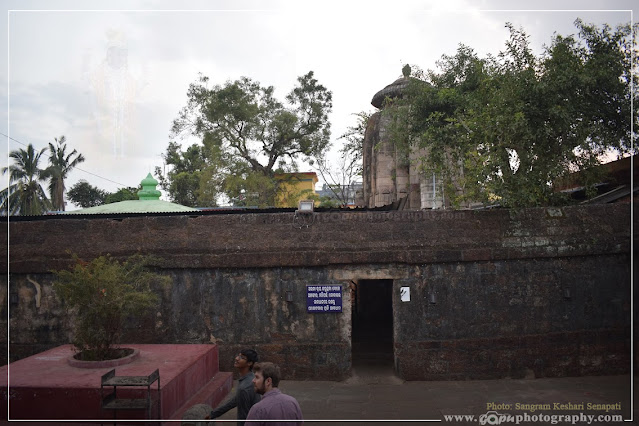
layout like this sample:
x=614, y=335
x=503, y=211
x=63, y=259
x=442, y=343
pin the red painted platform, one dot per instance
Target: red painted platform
x=45, y=386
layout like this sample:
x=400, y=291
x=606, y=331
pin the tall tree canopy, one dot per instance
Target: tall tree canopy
x=122, y=194
x=508, y=127
x=247, y=135
x=183, y=180
x=25, y=195
x=60, y=164
x=86, y=195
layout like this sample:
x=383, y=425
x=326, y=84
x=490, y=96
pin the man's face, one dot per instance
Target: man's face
x=258, y=383
x=241, y=361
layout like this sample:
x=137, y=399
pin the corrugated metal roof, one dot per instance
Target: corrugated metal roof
x=195, y=213
x=134, y=206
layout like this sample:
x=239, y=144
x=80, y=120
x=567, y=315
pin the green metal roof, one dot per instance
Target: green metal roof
x=135, y=206
x=149, y=202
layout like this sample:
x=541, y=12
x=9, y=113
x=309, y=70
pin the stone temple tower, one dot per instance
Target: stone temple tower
x=390, y=176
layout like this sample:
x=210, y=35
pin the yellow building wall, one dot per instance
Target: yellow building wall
x=293, y=187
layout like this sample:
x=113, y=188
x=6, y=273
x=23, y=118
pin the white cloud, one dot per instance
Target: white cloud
x=60, y=82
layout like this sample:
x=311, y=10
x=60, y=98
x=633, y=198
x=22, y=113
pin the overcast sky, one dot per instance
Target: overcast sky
x=117, y=110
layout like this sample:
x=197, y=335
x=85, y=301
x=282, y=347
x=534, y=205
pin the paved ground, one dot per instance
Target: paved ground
x=376, y=394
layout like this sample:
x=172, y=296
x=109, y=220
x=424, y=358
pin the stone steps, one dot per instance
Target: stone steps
x=210, y=394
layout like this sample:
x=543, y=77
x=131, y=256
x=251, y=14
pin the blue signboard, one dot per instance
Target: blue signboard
x=323, y=298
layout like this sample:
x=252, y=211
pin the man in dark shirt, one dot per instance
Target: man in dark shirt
x=245, y=395
x=274, y=404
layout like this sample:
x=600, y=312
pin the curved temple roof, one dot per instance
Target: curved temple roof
x=149, y=202
x=393, y=90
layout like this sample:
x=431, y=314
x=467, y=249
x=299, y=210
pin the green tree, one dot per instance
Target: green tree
x=86, y=195
x=102, y=294
x=507, y=127
x=246, y=187
x=25, y=195
x=248, y=135
x=182, y=182
x=122, y=194
x=60, y=164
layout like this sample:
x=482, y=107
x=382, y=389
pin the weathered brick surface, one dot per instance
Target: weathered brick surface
x=512, y=319
x=273, y=240
x=235, y=308
x=499, y=277
x=573, y=354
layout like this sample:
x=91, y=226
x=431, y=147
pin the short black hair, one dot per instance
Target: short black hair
x=251, y=356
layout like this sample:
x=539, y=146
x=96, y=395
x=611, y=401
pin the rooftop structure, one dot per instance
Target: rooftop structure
x=293, y=187
x=148, y=202
x=344, y=194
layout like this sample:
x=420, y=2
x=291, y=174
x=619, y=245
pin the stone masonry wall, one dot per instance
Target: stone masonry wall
x=328, y=238
x=234, y=308
x=500, y=278
x=515, y=319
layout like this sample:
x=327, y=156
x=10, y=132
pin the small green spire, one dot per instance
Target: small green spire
x=148, y=191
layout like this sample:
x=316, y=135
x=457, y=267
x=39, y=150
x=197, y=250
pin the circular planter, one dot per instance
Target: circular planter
x=105, y=363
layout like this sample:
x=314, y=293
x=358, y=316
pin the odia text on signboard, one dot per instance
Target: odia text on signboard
x=323, y=298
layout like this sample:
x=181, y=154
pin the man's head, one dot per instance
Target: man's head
x=246, y=359
x=267, y=377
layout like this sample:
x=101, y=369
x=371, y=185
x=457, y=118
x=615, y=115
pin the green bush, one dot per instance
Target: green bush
x=102, y=294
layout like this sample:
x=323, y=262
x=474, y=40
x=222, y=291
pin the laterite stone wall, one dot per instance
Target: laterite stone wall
x=529, y=293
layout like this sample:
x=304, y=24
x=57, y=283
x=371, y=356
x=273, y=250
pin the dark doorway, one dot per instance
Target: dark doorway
x=372, y=322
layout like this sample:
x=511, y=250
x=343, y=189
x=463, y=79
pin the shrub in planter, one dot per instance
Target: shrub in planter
x=101, y=295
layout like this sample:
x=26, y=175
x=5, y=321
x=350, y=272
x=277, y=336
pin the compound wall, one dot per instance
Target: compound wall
x=529, y=293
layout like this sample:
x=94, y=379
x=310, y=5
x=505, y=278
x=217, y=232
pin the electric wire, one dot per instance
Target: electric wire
x=75, y=168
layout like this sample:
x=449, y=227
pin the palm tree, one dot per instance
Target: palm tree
x=60, y=164
x=24, y=195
